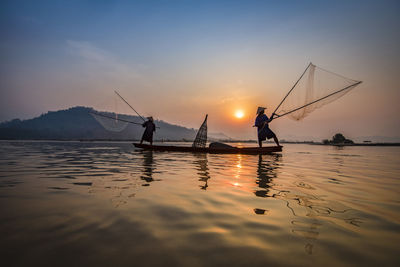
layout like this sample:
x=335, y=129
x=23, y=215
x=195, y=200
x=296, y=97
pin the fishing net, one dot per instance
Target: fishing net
x=113, y=115
x=315, y=88
x=110, y=121
x=201, y=136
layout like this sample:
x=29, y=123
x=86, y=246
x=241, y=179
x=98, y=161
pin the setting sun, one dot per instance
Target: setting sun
x=239, y=114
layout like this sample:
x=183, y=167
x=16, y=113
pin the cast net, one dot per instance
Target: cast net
x=315, y=88
x=112, y=114
x=110, y=121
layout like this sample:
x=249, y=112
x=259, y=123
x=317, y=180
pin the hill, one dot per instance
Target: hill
x=77, y=124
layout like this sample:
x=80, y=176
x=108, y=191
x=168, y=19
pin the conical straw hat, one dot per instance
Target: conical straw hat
x=259, y=109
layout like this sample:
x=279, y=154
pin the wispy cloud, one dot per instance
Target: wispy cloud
x=103, y=64
x=88, y=51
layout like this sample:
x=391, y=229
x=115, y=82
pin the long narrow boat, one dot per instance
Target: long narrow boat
x=219, y=150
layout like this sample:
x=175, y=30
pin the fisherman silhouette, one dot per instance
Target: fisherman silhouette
x=148, y=132
x=263, y=130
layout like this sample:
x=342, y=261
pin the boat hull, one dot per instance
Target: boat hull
x=233, y=150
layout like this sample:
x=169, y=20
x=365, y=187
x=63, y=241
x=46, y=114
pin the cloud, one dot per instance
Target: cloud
x=236, y=96
x=89, y=52
x=103, y=64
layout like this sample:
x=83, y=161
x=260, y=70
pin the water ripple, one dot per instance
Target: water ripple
x=310, y=205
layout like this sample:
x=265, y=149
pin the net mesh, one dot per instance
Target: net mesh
x=316, y=88
x=201, y=136
x=112, y=113
x=110, y=121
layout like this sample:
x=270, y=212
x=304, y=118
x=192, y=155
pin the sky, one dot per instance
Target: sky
x=180, y=60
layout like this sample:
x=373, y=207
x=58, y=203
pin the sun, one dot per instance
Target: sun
x=239, y=114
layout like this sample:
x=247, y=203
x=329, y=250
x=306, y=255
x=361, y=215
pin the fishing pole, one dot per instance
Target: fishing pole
x=130, y=106
x=315, y=101
x=109, y=117
x=273, y=113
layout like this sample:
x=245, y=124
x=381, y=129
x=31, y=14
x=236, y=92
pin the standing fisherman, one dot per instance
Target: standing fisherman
x=148, y=132
x=263, y=129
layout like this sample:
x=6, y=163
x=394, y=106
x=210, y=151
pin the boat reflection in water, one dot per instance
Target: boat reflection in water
x=303, y=205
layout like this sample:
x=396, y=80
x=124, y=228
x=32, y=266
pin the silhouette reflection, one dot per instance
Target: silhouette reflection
x=148, y=167
x=306, y=228
x=306, y=207
x=266, y=171
x=201, y=163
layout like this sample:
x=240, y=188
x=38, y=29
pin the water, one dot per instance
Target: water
x=106, y=204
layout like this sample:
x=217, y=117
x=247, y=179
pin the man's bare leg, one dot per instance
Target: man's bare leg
x=276, y=140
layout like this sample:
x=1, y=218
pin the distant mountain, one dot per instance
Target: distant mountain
x=218, y=136
x=78, y=124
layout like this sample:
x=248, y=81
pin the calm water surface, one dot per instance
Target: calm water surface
x=107, y=204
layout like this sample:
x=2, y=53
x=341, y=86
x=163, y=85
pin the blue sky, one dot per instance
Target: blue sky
x=178, y=60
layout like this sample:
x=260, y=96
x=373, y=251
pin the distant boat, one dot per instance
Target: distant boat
x=226, y=149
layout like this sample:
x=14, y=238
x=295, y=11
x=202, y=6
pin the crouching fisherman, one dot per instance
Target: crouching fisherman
x=263, y=130
x=148, y=132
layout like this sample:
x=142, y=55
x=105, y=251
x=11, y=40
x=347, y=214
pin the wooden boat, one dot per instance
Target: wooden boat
x=215, y=150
